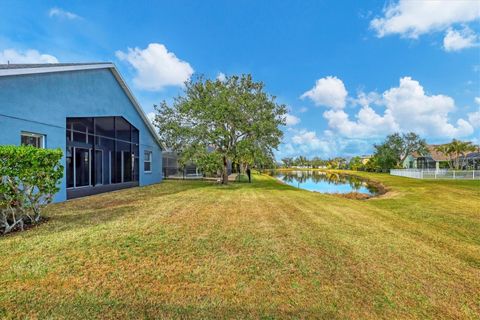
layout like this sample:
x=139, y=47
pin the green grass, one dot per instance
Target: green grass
x=192, y=249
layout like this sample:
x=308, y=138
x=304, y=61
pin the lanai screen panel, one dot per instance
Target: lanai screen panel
x=101, y=151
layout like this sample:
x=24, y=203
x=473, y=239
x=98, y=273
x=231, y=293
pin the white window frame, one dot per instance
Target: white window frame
x=35, y=135
x=145, y=152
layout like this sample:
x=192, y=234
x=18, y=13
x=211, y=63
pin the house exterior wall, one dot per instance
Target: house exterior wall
x=409, y=162
x=365, y=160
x=40, y=103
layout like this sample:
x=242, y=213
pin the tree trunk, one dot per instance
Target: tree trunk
x=457, y=162
x=225, y=171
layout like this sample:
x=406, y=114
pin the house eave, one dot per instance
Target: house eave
x=50, y=69
x=93, y=66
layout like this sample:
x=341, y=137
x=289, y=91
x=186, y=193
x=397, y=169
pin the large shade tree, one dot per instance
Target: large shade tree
x=215, y=122
x=396, y=148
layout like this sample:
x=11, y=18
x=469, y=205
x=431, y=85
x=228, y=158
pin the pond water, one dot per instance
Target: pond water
x=325, y=182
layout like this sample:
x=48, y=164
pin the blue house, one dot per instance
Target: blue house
x=88, y=111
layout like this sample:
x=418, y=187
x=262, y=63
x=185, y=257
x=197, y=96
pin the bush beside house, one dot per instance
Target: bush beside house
x=30, y=178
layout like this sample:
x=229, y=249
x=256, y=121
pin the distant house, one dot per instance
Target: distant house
x=432, y=159
x=365, y=158
x=471, y=161
x=88, y=111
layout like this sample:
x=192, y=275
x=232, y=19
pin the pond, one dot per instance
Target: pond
x=325, y=182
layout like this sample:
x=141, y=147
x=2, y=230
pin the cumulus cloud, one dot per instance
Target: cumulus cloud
x=156, y=67
x=456, y=40
x=291, y=120
x=368, y=123
x=413, y=18
x=63, y=14
x=415, y=111
x=402, y=108
x=328, y=144
x=406, y=108
x=474, y=119
x=221, y=76
x=305, y=142
x=27, y=56
x=366, y=99
x=329, y=91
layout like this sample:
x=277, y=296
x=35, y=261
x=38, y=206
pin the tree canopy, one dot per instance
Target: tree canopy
x=395, y=149
x=215, y=121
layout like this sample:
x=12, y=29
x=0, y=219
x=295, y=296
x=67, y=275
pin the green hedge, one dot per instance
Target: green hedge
x=30, y=178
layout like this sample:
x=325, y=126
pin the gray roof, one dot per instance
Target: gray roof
x=45, y=65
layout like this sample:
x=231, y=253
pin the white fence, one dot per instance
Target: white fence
x=437, y=174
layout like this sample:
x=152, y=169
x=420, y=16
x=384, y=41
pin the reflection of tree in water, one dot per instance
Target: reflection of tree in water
x=288, y=178
x=299, y=177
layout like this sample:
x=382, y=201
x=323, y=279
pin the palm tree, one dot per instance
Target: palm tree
x=446, y=150
x=457, y=151
x=287, y=162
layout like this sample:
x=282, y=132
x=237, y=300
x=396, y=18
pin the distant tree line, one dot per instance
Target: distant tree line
x=315, y=162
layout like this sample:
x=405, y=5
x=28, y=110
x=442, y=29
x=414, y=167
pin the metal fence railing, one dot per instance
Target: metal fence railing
x=437, y=174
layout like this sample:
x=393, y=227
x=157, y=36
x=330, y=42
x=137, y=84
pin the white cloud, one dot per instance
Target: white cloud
x=308, y=143
x=27, y=56
x=402, y=108
x=60, y=13
x=151, y=116
x=329, y=91
x=156, y=67
x=368, y=124
x=291, y=120
x=456, y=40
x=414, y=18
x=221, y=76
x=305, y=142
x=474, y=119
x=406, y=108
x=415, y=111
x=366, y=99
x=303, y=109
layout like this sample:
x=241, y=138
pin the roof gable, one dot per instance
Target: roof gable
x=25, y=69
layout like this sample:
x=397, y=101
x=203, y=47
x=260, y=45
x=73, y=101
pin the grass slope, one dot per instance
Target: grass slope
x=185, y=249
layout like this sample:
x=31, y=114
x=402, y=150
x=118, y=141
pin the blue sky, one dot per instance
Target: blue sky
x=350, y=72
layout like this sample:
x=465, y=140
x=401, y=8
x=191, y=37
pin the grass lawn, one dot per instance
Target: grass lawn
x=185, y=249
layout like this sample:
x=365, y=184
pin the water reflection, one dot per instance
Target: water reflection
x=325, y=182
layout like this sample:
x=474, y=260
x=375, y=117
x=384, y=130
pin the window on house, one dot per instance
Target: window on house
x=147, y=161
x=33, y=139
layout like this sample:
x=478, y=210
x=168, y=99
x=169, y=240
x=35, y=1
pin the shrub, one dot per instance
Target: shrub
x=29, y=179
